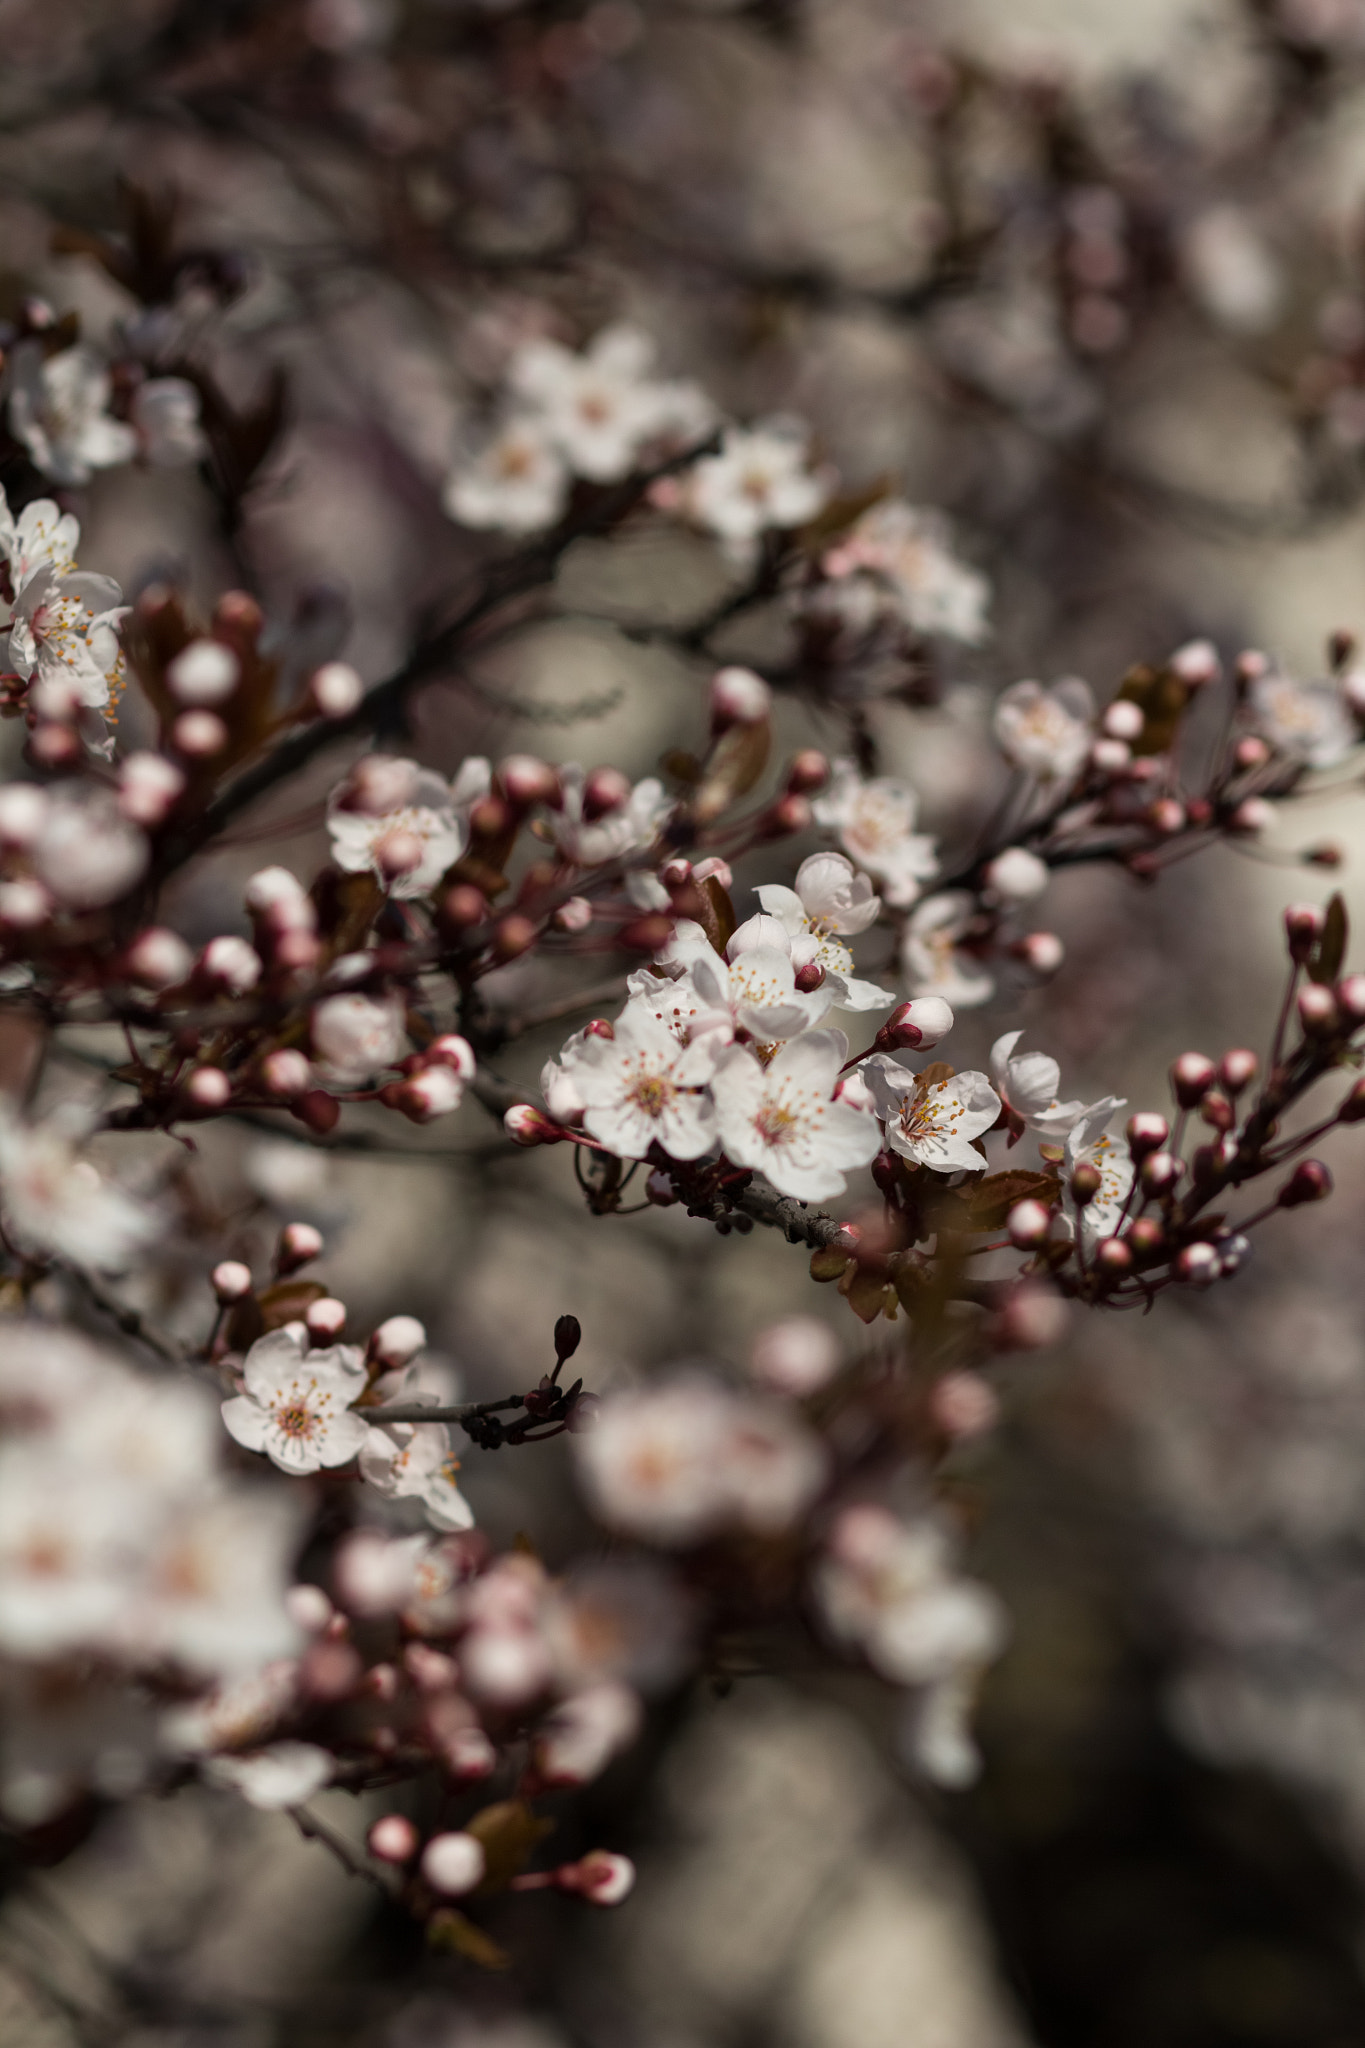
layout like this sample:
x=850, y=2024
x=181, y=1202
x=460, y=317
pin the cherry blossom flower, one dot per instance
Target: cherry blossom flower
x=212, y=1599
x=87, y=852
x=63, y=639
x=56, y=1202
x=600, y=408
x=875, y=821
x=408, y=843
x=1046, y=731
x=907, y=546
x=783, y=1120
x=623, y=1619
x=775, y=1465
x=58, y=409
x=760, y=479
x=238, y=1713
x=932, y=1124
x=415, y=1461
x=281, y=1775
x=1017, y=876
x=654, y=1463
x=42, y=537
x=296, y=1403
x=71, y=1542
x=796, y=1356
x=517, y=482
x=641, y=1088
x=166, y=416
x=1310, y=722
x=754, y=990
x=1090, y=1142
x=934, y=962
x=631, y=826
x=890, y=1589
x=580, y=1736
x=355, y=1036
x=830, y=900
x=1028, y=1084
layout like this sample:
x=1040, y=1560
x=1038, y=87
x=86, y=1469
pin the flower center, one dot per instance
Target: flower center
x=653, y=1093
x=296, y=1419
x=775, y=1123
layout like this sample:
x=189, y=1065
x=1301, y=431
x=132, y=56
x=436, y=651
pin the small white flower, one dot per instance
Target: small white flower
x=63, y=637
x=42, y=537
x=1309, y=722
x=783, y=1120
x=517, y=483
x=590, y=842
x=408, y=843
x=775, y=1465
x=1046, y=732
x=796, y=1356
x=166, y=418
x=934, y=962
x=296, y=1406
x=755, y=990
x=1018, y=876
x=284, y=1774
x=415, y=1461
x=58, y=409
x=891, y=1589
x=600, y=408
x=761, y=479
x=56, y=1202
x=1091, y=1143
x=908, y=547
x=71, y=1541
x=654, y=1462
x=932, y=1125
x=1029, y=1083
x=642, y=1088
x=875, y=821
x=213, y=1597
x=830, y=900
x=355, y=1036
x=87, y=853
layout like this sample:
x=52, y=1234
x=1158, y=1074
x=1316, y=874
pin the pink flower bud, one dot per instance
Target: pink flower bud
x=674, y=873
x=231, y=963
x=1034, y=1316
x=1192, y=1075
x=1123, y=720
x=55, y=746
x=1160, y=1172
x=1217, y=1111
x=964, y=1405
x=1199, y=1264
x=299, y=1245
x=916, y=1025
x=1086, y=1182
x=1309, y=1182
x=1017, y=875
x=330, y=1670
x=1251, y=665
x=326, y=1319
x=450, y=1050
x=205, y=672
x=1041, y=952
x=430, y=1670
x=279, y=897
x=24, y=905
x=453, y=1864
x=1113, y=1257
x=199, y=735
x=1167, y=816
x=1029, y=1224
x=512, y=936
x=1146, y=1133
x=789, y=814
x=463, y=906
x=375, y=1574
x=739, y=697
x=796, y=1356
x=606, y=789
x=602, y=1878
x=285, y=1073
x=209, y=1090
x=148, y=786
x=810, y=977
x=23, y=813
x=600, y=1027
x=336, y=690
x=1197, y=663
x=1110, y=757
x=309, y=1608
x=393, y=1839
x=713, y=869
x=468, y=1755
x=525, y=780
x=1237, y=1069
x=1253, y=815
x=158, y=959
x=231, y=1281
x=319, y=1110
x=809, y=771
x=526, y=1125
x=1318, y=1013
x=573, y=916
x=1303, y=923
x=397, y=1340
x=435, y=1092
x=1351, y=998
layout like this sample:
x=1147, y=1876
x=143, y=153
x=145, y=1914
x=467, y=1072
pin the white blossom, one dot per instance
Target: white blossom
x=283, y=1774
x=600, y=408
x=753, y=991
x=1029, y=1083
x=1310, y=722
x=63, y=639
x=642, y=1088
x=1046, y=731
x=760, y=479
x=1091, y=1143
x=355, y=1036
x=932, y=1124
x=296, y=1403
x=590, y=841
x=411, y=841
x=87, y=852
x=875, y=821
x=517, y=483
x=908, y=548
x=58, y=408
x=934, y=962
x=213, y=1596
x=166, y=417
x=830, y=901
x=56, y=1202
x=1017, y=876
x=783, y=1119
x=890, y=1588
x=415, y=1461
x=42, y=537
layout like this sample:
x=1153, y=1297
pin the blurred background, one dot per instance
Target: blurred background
x=1089, y=278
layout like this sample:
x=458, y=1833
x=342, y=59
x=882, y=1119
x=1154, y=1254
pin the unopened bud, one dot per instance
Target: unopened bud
x=208, y=1089
x=1197, y=663
x=393, y=1839
x=1160, y=1172
x=809, y=771
x=1303, y=923
x=158, y=959
x=810, y=977
x=148, y=785
x=964, y=1405
x=1122, y=720
x=1146, y=1236
x=1146, y=1132
x=1110, y=757
x=1251, y=752
x=299, y=1245
x=205, y=672
x=285, y=1073
x=1309, y=1182
x=1033, y=1317
x=1029, y=1224
x=326, y=1319
x=1192, y=1075
x=309, y=1608
x=453, y=1864
x=433, y=1092
x=24, y=904
x=1041, y=952
x=463, y=906
x=23, y=814
x=526, y=780
x=1167, y=816
x=789, y=814
x=1086, y=1182
x=606, y=789
x=199, y=735
x=1199, y=1264
x=55, y=746
x=575, y=915
x=336, y=690
x=646, y=934
x=1017, y=875
x=1318, y=1013
x=231, y=1281
x=1113, y=1257
x=1252, y=816
x=602, y=1878
x=1217, y=1111
x=319, y=1110
x=512, y=936
x=1352, y=1110
x=714, y=869
x=1251, y=665
x=526, y=1125
x=738, y=697
x=397, y=1340
x=1237, y=1070
x=915, y=1026
x=450, y=1050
